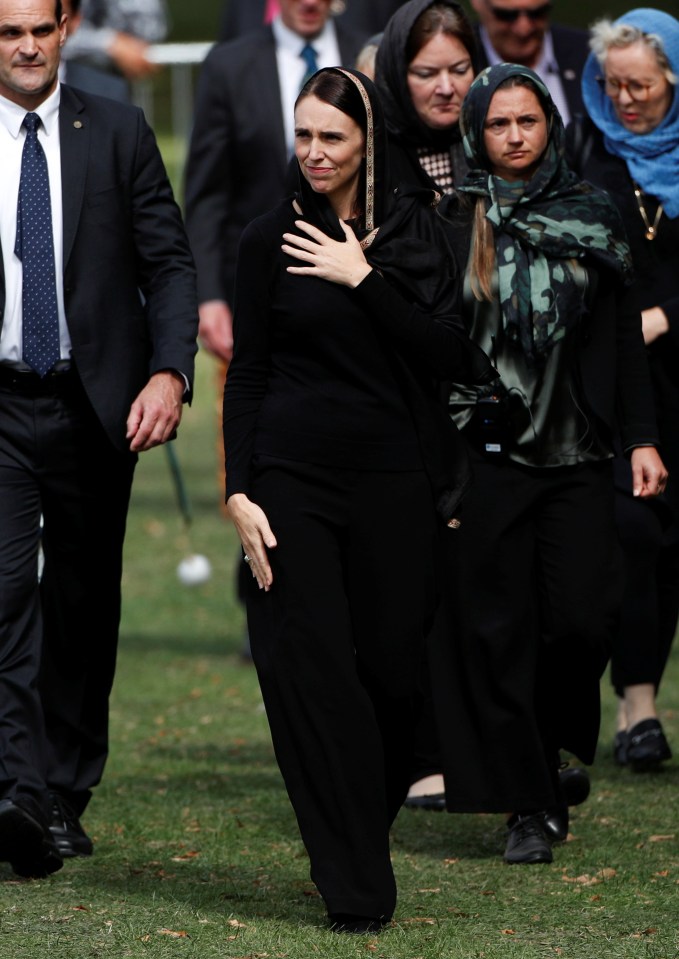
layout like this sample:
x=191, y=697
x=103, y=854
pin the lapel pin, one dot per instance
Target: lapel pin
x=77, y=124
x=569, y=75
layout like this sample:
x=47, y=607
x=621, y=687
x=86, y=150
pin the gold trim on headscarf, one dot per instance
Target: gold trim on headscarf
x=369, y=153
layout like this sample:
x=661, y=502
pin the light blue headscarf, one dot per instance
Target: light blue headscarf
x=652, y=158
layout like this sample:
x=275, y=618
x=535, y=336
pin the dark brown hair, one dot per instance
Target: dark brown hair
x=335, y=88
x=440, y=18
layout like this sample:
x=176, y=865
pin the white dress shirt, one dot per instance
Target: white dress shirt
x=292, y=68
x=12, y=137
x=547, y=68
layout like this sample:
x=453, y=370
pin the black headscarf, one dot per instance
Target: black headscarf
x=376, y=199
x=398, y=234
x=391, y=77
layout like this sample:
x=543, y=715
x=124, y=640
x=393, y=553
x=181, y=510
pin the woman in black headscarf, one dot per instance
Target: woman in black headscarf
x=424, y=67
x=547, y=295
x=339, y=458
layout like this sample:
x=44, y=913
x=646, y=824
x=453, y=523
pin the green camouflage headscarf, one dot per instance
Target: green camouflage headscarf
x=539, y=223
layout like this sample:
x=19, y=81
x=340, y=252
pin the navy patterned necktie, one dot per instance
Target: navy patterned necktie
x=35, y=248
x=308, y=54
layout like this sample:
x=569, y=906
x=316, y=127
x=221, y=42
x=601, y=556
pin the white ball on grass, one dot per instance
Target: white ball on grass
x=194, y=570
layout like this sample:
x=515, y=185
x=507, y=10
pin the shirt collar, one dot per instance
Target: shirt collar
x=546, y=63
x=12, y=115
x=289, y=40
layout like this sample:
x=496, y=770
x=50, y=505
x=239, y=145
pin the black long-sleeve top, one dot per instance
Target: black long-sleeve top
x=657, y=274
x=313, y=376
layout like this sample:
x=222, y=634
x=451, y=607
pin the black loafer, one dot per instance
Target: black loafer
x=647, y=746
x=435, y=802
x=26, y=842
x=69, y=836
x=527, y=841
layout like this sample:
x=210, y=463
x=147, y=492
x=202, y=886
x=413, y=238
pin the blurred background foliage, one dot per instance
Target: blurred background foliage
x=200, y=20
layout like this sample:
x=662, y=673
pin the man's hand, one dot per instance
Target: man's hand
x=156, y=412
x=130, y=56
x=215, y=329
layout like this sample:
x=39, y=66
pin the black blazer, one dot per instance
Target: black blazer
x=571, y=49
x=129, y=281
x=366, y=16
x=237, y=162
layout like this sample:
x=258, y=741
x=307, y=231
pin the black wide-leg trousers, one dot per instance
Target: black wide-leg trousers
x=337, y=643
x=531, y=606
x=650, y=610
x=57, y=638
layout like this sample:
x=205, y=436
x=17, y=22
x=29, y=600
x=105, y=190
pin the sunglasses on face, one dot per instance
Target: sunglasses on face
x=511, y=16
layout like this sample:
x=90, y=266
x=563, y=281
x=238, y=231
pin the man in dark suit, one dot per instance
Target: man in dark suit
x=97, y=341
x=242, y=142
x=365, y=16
x=519, y=31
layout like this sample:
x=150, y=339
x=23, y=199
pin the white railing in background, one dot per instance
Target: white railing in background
x=182, y=60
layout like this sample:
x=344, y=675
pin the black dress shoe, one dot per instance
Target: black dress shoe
x=556, y=823
x=26, y=842
x=647, y=746
x=574, y=784
x=620, y=748
x=69, y=836
x=358, y=925
x=574, y=787
x=527, y=840
x=435, y=802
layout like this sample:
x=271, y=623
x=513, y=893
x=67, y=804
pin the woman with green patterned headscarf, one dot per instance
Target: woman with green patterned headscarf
x=535, y=588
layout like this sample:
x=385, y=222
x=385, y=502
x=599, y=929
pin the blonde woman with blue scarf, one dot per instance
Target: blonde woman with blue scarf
x=630, y=147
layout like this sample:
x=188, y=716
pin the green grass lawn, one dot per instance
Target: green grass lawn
x=197, y=851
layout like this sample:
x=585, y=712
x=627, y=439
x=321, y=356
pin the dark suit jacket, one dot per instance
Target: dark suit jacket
x=122, y=235
x=237, y=163
x=366, y=16
x=571, y=49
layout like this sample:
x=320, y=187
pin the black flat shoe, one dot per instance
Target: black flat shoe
x=647, y=746
x=436, y=802
x=356, y=925
x=620, y=748
x=68, y=834
x=26, y=842
x=527, y=841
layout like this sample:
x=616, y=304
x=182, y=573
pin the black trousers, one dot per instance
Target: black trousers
x=650, y=607
x=337, y=645
x=57, y=638
x=532, y=603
